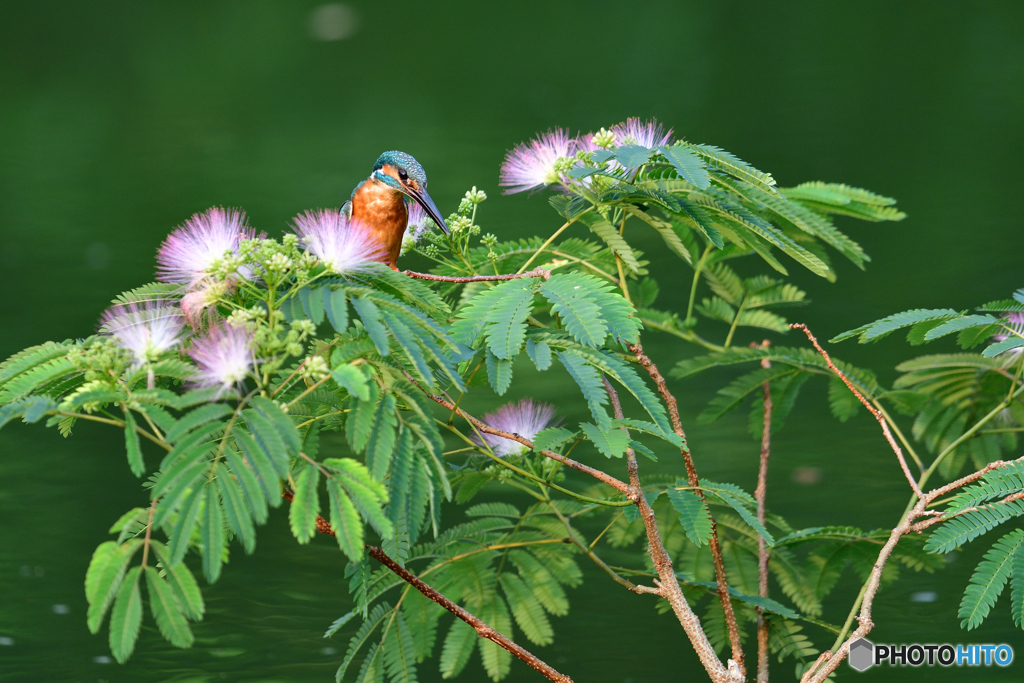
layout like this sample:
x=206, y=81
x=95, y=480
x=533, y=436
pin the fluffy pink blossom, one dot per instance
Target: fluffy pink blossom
x=223, y=357
x=345, y=245
x=650, y=134
x=418, y=221
x=146, y=330
x=1014, y=321
x=531, y=165
x=525, y=418
x=187, y=254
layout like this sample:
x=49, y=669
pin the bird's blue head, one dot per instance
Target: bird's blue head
x=401, y=172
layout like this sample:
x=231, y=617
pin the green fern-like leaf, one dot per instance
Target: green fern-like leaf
x=721, y=160
x=362, y=636
x=739, y=389
x=32, y=357
x=457, y=649
x=497, y=661
x=475, y=315
x=965, y=528
x=687, y=164
x=884, y=326
x=998, y=483
x=573, y=299
x=541, y=582
x=36, y=378
x=167, y=611
x=988, y=580
x=611, y=442
x=306, y=504
x=609, y=234
x=589, y=382
x=693, y=515
x=1017, y=587
x=399, y=651
x=506, y=328
x=527, y=610
x=126, y=617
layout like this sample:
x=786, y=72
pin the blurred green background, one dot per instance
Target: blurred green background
x=119, y=120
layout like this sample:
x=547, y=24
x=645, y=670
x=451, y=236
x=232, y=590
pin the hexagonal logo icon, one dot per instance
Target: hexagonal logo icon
x=862, y=654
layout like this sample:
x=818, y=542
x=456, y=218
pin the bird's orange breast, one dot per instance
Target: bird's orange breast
x=383, y=210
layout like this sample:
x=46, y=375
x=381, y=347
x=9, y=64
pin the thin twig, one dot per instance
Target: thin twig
x=543, y=482
x=116, y=423
x=667, y=582
x=921, y=526
x=620, y=486
x=536, y=272
x=732, y=626
x=482, y=629
x=287, y=379
x=149, y=534
x=763, y=557
x=589, y=551
x=548, y=241
x=871, y=409
x=825, y=666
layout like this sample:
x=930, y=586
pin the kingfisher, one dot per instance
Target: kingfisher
x=379, y=201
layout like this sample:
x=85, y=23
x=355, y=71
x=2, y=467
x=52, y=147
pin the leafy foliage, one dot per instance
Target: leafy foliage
x=370, y=353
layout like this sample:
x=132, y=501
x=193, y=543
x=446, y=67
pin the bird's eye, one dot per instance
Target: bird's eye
x=402, y=174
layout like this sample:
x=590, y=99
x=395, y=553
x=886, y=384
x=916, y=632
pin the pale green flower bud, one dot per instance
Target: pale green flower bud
x=604, y=138
x=314, y=368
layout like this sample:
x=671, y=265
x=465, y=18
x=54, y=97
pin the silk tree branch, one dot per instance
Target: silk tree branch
x=668, y=583
x=482, y=629
x=603, y=477
x=732, y=625
x=829, y=660
x=536, y=272
x=760, y=493
x=871, y=409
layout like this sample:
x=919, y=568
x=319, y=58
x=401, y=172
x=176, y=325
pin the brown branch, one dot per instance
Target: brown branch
x=763, y=557
x=968, y=479
x=824, y=667
x=871, y=409
x=536, y=272
x=921, y=526
x=604, y=477
x=322, y=525
x=668, y=583
x=691, y=474
x=149, y=534
x=482, y=629
x=827, y=664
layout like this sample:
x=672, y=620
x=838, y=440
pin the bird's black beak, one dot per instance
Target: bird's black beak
x=428, y=205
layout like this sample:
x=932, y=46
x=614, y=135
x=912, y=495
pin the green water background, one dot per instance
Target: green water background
x=119, y=120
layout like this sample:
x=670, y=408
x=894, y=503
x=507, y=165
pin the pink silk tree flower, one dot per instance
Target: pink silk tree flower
x=585, y=143
x=525, y=418
x=343, y=244
x=531, y=165
x=146, y=329
x=187, y=254
x=648, y=134
x=223, y=357
x=1014, y=321
x=417, y=223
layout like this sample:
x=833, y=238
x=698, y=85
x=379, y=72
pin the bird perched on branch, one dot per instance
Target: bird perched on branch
x=379, y=201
